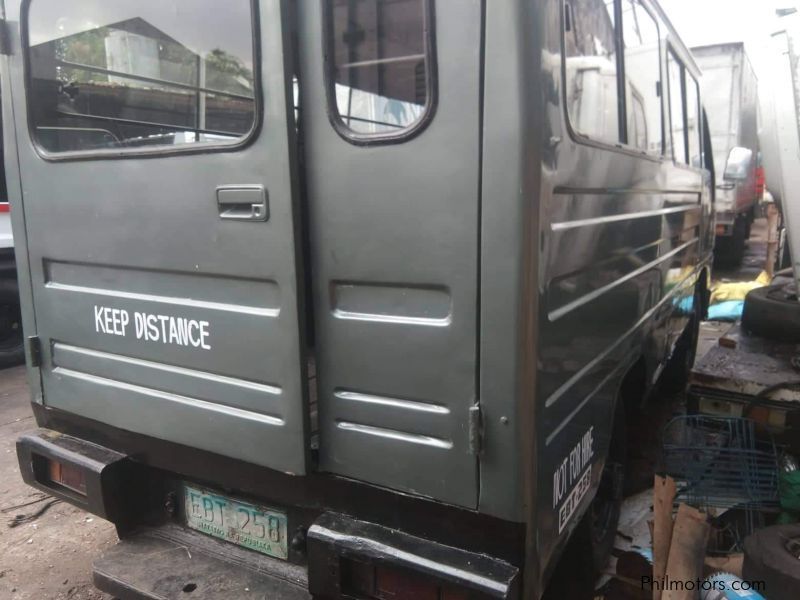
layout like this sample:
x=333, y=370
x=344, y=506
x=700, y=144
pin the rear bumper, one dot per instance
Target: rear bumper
x=158, y=557
x=171, y=562
x=112, y=480
x=728, y=220
x=725, y=220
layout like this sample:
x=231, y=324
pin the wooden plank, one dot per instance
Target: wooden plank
x=728, y=564
x=663, y=498
x=686, y=554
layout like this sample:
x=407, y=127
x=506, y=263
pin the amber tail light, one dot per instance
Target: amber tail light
x=67, y=476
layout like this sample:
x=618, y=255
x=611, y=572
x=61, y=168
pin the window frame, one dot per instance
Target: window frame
x=431, y=81
x=682, y=83
x=144, y=152
x=660, y=84
x=619, y=146
x=637, y=99
x=690, y=79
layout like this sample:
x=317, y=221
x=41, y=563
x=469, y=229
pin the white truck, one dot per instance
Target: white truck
x=730, y=92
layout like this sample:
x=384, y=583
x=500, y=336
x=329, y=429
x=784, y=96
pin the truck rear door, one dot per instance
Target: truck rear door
x=391, y=122
x=155, y=142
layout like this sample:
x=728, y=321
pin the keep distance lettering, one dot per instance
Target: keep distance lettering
x=150, y=327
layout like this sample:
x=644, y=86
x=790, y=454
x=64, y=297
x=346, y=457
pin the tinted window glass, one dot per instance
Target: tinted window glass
x=381, y=62
x=591, y=66
x=135, y=74
x=693, y=121
x=642, y=74
x=677, y=118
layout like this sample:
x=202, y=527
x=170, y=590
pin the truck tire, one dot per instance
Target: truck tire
x=729, y=251
x=12, y=347
x=589, y=548
x=749, y=220
x=574, y=575
x=773, y=312
x=772, y=555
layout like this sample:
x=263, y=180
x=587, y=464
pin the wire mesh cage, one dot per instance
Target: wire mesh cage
x=721, y=462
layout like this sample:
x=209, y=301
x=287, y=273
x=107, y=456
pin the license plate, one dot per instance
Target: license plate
x=254, y=527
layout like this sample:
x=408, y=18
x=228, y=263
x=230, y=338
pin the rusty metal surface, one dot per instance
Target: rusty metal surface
x=748, y=365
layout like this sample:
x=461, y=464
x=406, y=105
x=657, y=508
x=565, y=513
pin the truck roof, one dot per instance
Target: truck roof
x=726, y=47
x=733, y=45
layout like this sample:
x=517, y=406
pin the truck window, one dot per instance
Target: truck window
x=136, y=75
x=642, y=75
x=693, y=120
x=676, y=104
x=381, y=65
x=591, y=69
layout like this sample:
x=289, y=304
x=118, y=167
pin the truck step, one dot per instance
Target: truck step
x=170, y=562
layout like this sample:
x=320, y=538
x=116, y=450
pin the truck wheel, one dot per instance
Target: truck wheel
x=738, y=242
x=676, y=374
x=574, y=575
x=729, y=251
x=772, y=555
x=12, y=348
x=589, y=548
x=748, y=224
x=773, y=312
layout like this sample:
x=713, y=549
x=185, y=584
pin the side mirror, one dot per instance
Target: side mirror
x=738, y=164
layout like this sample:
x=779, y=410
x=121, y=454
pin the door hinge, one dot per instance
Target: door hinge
x=5, y=38
x=475, y=429
x=35, y=350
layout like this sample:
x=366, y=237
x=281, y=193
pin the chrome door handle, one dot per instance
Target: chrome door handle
x=243, y=202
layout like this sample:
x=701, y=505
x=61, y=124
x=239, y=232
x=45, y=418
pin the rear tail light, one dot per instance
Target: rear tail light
x=379, y=582
x=358, y=560
x=96, y=479
x=67, y=476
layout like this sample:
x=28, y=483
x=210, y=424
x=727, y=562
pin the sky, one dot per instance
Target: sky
x=702, y=22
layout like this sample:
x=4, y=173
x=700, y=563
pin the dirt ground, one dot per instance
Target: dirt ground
x=46, y=557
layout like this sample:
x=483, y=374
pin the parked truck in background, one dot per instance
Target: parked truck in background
x=780, y=135
x=730, y=94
